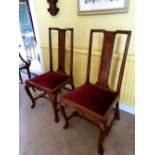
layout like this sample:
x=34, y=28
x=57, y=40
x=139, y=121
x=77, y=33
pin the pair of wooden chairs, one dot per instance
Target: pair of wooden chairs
x=92, y=101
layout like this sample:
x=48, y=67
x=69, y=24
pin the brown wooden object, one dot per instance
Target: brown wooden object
x=24, y=65
x=97, y=101
x=51, y=83
x=53, y=9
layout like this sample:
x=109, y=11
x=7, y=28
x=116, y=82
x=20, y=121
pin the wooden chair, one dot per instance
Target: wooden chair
x=96, y=101
x=50, y=83
x=24, y=65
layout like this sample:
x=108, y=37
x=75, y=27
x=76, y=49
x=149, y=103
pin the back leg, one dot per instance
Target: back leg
x=117, y=111
x=72, y=85
x=53, y=100
x=30, y=95
x=101, y=137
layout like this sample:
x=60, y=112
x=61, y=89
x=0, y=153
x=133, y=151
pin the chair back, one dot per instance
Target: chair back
x=22, y=60
x=61, y=49
x=106, y=56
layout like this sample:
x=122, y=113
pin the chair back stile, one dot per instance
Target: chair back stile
x=89, y=57
x=50, y=50
x=71, y=54
x=128, y=33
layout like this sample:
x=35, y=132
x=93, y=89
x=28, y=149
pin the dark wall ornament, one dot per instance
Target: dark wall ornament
x=53, y=10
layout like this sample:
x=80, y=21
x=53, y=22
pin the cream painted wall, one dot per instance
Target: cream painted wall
x=67, y=17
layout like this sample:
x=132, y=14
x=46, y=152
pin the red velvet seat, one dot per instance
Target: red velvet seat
x=91, y=97
x=51, y=83
x=97, y=101
x=49, y=80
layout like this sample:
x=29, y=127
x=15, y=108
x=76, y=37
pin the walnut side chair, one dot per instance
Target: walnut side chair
x=97, y=101
x=51, y=82
x=24, y=65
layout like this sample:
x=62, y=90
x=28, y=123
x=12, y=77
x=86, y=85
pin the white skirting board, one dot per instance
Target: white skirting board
x=127, y=108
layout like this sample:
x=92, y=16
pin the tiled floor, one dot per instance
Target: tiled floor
x=40, y=135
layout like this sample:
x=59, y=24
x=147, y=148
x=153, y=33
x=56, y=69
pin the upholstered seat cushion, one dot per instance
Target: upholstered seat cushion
x=49, y=80
x=91, y=97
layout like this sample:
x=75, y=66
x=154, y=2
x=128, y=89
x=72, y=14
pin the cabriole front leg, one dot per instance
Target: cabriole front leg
x=101, y=135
